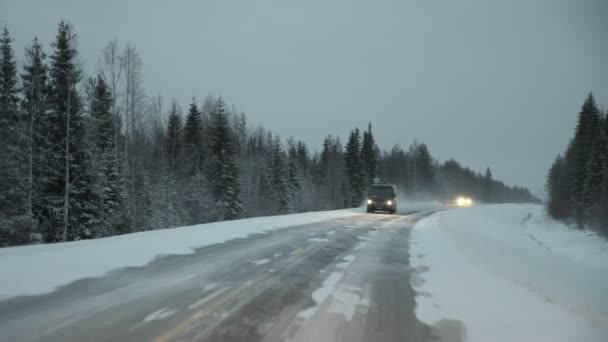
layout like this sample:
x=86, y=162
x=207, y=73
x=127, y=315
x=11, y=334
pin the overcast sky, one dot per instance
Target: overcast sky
x=490, y=83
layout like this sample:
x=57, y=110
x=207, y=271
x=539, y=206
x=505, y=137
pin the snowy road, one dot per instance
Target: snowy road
x=345, y=279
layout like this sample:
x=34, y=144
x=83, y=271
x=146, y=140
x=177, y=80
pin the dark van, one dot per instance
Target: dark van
x=382, y=197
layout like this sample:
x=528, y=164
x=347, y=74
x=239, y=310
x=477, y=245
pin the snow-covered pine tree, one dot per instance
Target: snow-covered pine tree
x=174, y=138
x=224, y=174
x=558, y=190
x=423, y=165
x=488, y=187
x=293, y=187
x=331, y=181
x=276, y=176
x=16, y=224
x=34, y=105
x=592, y=188
x=173, y=177
x=324, y=179
x=396, y=168
x=193, y=139
x=195, y=192
x=110, y=187
x=578, y=155
x=603, y=218
x=596, y=171
x=354, y=172
x=70, y=210
x=35, y=90
x=369, y=157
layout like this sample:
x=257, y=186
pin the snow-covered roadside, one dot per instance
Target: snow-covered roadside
x=581, y=246
x=39, y=269
x=509, y=275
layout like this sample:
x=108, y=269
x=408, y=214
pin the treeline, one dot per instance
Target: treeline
x=88, y=157
x=418, y=175
x=577, y=183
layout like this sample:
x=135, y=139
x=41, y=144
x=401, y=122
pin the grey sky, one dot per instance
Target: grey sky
x=490, y=83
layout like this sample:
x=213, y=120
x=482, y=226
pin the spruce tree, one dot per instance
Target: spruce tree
x=578, y=156
x=277, y=180
x=423, y=163
x=110, y=187
x=70, y=210
x=224, y=173
x=558, y=204
x=596, y=172
x=34, y=87
x=10, y=203
x=352, y=165
x=369, y=157
x=173, y=177
x=603, y=208
x=293, y=186
x=487, y=187
x=193, y=139
x=196, y=202
x=8, y=85
x=174, y=138
x=16, y=226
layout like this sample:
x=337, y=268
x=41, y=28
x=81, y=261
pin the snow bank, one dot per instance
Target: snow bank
x=509, y=275
x=39, y=269
x=581, y=246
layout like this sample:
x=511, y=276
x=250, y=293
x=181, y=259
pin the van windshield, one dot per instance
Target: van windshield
x=384, y=191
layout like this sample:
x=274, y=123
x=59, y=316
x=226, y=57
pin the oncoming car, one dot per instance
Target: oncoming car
x=463, y=201
x=382, y=197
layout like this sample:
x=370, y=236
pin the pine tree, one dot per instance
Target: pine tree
x=196, y=203
x=224, y=174
x=277, y=180
x=369, y=157
x=193, y=139
x=34, y=104
x=110, y=187
x=423, y=167
x=558, y=204
x=603, y=207
x=596, y=172
x=331, y=184
x=174, y=138
x=487, y=187
x=293, y=186
x=354, y=173
x=578, y=155
x=173, y=177
x=69, y=212
x=8, y=84
x=16, y=225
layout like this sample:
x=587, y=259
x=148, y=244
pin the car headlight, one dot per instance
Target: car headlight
x=461, y=201
x=369, y=201
x=468, y=201
x=389, y=202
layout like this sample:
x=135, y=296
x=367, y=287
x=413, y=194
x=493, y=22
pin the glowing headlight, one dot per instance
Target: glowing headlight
x=468, y=201
x=461, y=201
x=369, y=201
x=389, y=202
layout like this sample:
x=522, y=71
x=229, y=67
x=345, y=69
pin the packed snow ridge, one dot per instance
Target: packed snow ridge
x=31, y=270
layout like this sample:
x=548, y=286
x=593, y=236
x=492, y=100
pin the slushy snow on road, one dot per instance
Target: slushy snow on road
x=30, y=269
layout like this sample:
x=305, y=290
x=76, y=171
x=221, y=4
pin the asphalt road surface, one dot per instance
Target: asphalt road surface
x=339, y=280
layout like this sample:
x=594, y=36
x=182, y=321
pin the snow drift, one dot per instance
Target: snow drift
x=509, y=274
